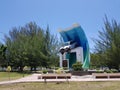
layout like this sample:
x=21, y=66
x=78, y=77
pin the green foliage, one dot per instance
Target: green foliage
x=56, y=68
x=108, y=45
x=25, y=68
x=60, y=70
x=31, y=46
x=99, y=71
x=108, y=71
x=95, y=60
x=8, y=69
x=44, y=71
x=65, y=68
x=111, y=71
x=114, y=70
x=3, y=61
x=77, y=66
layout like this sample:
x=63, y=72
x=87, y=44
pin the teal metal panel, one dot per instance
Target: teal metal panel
x=72, y=59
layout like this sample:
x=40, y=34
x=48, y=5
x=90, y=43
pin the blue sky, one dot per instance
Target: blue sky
x=58, y=14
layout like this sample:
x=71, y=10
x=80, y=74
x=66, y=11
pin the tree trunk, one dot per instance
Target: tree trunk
x=31, y=68
x=21, y=69
x=34, y=68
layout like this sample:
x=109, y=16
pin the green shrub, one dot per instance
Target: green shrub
x=114, y=70
x=77, y=66
x=25, y=68
x=111, y=71
x=44, y=71
x=108, y=71
x=56, y=68
x=60, y=70
x=99, y=71
x=65, y=68
x=8, y=69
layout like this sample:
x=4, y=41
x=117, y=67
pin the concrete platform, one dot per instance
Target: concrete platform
x=34, y=78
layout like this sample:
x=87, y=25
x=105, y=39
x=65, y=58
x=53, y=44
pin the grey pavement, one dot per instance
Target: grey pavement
x=34, y=78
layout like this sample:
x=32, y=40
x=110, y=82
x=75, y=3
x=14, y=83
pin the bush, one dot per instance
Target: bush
x=77, y=66
x=65, y=68
x=8, y=69
x=60, y=70
x=44, y=71
x=108, y=71
x=99, y=71
x=56, y=68
x=114, y=70
x=111, y=71
x=25, y=68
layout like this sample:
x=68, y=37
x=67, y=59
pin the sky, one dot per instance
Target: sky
x=58, y=14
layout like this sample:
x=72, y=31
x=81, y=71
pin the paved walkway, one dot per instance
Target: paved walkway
x=34, y=78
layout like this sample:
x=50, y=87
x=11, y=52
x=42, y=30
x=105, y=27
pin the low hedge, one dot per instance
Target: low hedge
x=77, y=66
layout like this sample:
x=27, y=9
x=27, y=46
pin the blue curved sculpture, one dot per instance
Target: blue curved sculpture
x=78, y=37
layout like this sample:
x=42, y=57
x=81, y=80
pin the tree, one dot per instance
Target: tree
x=30, y=46
x=96, y=60
x=108, y=44
x=52, y=47
x=3, y=61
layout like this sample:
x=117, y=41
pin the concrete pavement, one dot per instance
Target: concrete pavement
x=34, y=78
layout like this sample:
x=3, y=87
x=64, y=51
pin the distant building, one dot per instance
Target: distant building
x=76, y=48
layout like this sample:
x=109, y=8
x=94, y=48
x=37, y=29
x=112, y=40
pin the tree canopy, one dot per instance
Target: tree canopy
x=107, y=47
x=3, y=61
x=32, y=46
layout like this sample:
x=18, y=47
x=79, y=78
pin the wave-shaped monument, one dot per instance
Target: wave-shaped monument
x=75, y=48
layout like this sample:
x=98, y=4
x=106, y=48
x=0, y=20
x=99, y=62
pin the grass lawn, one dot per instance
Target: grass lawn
x=4, y=76
x=114, y=85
